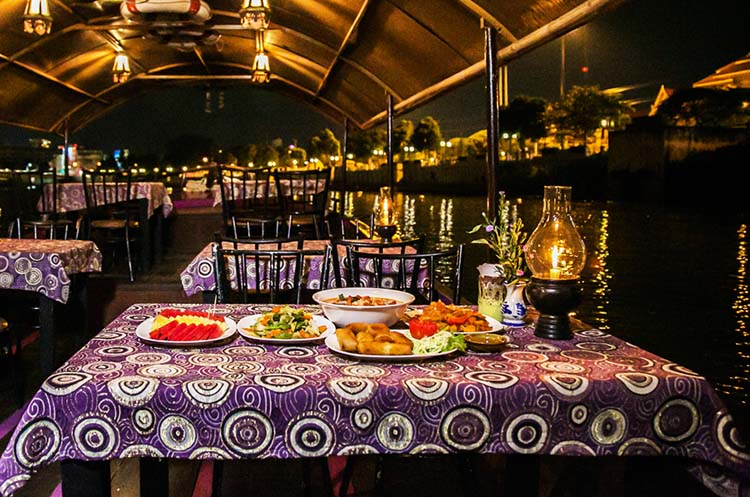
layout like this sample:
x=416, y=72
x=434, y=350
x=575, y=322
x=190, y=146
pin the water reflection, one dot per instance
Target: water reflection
x=738, y=384
x=671, y=281
x=601, y=274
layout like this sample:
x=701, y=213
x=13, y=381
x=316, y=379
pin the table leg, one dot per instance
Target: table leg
x=158, y=235
x=145, y=223
x=154, y=477
x=78, y=304
x=86, y=479
x=48, y=309
x=522, y=476
x=209, y=297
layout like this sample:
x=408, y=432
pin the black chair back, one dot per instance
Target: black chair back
x=258, y=243
x=406, y=272
x=249, y=202
x=303, y=194
x=343, y=276
x=350, y=227
x=266, y=276
x=106, y=189
x=35, y=195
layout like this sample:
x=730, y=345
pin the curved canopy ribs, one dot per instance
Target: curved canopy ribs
x=340, y=56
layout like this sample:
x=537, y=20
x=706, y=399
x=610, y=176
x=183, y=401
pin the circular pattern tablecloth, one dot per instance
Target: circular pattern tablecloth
x=592, y=395
x=46, y=266
x=71, y=196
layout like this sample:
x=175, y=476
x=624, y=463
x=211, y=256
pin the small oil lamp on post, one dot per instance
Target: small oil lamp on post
x=555, y=254
x=385, y=215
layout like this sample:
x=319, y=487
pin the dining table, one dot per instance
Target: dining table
x=594, y=395
x=150, y=196
x=56, y=270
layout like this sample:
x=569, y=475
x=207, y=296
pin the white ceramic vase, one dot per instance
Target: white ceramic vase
x=514, y=305
x=491, y=291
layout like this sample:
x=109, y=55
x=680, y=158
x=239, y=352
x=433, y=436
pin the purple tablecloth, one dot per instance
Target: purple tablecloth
x=246, y=192
x=199, y=275
x=71, y=196
x=45, y=266
x=592, y=395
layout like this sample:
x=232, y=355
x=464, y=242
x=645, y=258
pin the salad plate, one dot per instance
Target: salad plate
x=248, y=322
x=333, y=345
x=144, y=329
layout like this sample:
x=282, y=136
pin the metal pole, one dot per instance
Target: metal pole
x=390, y=142
x=491, y=75
x=65, y=149
x=562, y=67
x=344, y=153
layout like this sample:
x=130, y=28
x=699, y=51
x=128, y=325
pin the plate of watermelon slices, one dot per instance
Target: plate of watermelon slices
x=185, y=328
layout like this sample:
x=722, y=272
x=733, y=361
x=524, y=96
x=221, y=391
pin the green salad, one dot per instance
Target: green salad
x=442, y=341
x=286, y=322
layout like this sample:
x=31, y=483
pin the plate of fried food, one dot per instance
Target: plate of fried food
x=377, y=342
x=439, y=316
x=285, y=325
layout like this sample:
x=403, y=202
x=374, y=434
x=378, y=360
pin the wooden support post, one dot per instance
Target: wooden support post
x=491, y=75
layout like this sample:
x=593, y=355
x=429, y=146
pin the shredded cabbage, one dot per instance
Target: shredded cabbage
x=441, y=341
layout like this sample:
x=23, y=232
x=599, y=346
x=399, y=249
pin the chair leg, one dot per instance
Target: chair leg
x=130, y=258
x=218, y=475
x=346, y=476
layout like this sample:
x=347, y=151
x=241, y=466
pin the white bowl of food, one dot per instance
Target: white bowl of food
x=344, y=306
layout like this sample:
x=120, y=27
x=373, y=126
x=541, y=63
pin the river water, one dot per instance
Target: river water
x=672, y=280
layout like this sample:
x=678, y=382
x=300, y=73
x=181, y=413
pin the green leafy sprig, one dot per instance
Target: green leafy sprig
x=504, y=235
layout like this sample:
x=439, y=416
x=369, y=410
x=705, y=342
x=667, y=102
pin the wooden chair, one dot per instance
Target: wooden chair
x=111, y=215
x=343, y=276
x=249, y=202
x=405, y=271
x=303, y=197
x=35, y=195
x=272, y=276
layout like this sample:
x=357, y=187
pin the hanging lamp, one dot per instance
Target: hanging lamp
x=36, y=17
x=255, y=14
x=261, y=66
x=121, y=68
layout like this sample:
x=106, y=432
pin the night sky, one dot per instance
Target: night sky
x=641, y=42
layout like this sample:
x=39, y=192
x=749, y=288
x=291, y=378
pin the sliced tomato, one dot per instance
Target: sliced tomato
x=420, y=329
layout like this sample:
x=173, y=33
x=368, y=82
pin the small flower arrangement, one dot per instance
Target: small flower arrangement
x=505, y=237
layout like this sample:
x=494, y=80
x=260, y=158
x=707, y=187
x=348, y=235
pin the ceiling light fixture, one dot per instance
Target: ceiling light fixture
x=255, y=14
x=261, y=66
x=121, y=68
x=36, y=17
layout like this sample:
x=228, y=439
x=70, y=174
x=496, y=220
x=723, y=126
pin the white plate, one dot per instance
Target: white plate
x=249, y=322
x=495, y=325
x=143, y=330
x=332, y=342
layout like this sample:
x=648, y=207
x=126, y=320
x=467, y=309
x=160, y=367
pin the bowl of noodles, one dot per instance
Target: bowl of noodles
x=344, y=306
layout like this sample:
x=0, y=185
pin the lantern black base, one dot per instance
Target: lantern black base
x=554, y=299
x=386, y=231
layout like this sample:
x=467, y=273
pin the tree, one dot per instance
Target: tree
x=363, y=143
x=705, y=107
x=263, y=154
x=525, y=116
x=582, y=110
x=427, y=135
x=402, y=133
x=324, y=145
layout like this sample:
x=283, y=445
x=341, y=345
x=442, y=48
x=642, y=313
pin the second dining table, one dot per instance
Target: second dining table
x=593, y=395
x=56, y=270
x=152, y=196
x=199, y=276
